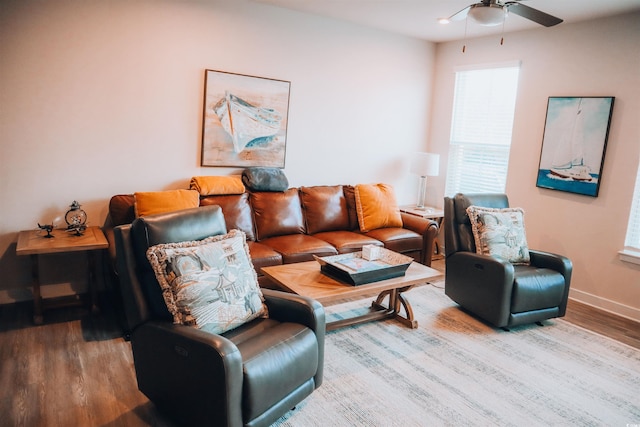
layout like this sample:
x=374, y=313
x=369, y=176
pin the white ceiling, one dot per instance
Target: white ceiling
x=418, y=18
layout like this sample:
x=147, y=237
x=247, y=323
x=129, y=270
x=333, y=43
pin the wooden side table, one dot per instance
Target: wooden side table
x=33, y=243
x=428, y=212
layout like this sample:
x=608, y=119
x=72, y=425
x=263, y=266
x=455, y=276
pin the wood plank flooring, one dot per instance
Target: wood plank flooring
x=77, y=370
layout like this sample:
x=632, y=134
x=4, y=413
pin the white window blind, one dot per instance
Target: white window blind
x=633, y=229
x=481, y=126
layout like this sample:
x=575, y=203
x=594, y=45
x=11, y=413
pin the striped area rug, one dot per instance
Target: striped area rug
x=456, y=370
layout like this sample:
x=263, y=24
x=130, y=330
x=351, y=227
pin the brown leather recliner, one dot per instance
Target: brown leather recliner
x=249, y=376
x=494, y=289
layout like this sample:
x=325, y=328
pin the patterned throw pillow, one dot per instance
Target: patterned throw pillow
x=209, y=284
x=500, y=232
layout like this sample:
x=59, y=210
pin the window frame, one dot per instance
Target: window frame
x=461, y=151
x=631, y=251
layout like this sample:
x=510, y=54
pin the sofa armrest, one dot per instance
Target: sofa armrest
x=480, y=283
x=425, y=227
x=206, y=368
x=289, y=307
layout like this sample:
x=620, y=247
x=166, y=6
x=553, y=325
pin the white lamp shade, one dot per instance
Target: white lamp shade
x=487, y=15
x=425, y=164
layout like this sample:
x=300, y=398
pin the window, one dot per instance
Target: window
x=483, y=109
x=631, y=253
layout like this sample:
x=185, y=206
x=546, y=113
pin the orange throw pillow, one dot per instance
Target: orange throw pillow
x=217, y=185
x=376, y=207
x=154, y=202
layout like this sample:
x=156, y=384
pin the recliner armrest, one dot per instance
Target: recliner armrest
x=289, y=307
x=206, y=368
x=559, y=263
x=480, y=283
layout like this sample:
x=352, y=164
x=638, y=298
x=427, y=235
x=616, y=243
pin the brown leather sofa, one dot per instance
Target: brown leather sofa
x=293, y=225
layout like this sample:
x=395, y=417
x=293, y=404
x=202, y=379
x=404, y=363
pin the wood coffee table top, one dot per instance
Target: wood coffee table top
x=305, y=278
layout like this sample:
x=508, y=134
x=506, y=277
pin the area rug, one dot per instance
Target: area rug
x=455, y=370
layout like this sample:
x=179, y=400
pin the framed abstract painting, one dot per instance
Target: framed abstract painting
x=244, y=120
x=574, y=144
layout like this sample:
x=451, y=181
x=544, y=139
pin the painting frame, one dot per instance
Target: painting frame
x=244, y=120
x=574, y=143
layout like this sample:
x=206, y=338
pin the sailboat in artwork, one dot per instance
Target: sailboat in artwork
x=245, y=122
x=568, y=163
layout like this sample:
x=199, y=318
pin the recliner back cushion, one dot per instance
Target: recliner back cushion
x=192, y=224
x=277, y=213
x=462, y=221
x=325, y=208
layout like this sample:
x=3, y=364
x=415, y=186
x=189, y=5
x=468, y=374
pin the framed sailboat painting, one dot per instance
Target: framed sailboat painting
x=244, y=120
x=574, y=143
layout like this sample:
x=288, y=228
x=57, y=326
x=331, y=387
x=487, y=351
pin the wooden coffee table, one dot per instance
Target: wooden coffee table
x=305, y=278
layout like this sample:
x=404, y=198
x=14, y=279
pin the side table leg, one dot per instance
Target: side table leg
x=93, y=291
x=37, y=297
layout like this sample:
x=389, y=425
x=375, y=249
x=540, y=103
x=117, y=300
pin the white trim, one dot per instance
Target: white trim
x=630, y=255
x=607, y=305
x=471, y=67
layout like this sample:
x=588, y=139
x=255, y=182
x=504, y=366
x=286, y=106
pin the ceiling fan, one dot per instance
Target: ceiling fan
x=494, y=12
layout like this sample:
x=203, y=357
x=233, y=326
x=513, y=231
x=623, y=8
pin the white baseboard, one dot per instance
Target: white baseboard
x=10, y=296
x=613, y=307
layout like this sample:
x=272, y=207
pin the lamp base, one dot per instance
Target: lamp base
x=422, y=190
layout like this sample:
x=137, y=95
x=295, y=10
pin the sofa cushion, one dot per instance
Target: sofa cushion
x=236, y=210
x=325, y=208
x=217, y=185
x=536, y=288
x=263, y=256
x=398, y=239
x=277, y=213
x=500, y=232
x=268, y=348
x=155, y=202
x=376, y=207
x=299, y=247
x=209, y=284
x=347, y=241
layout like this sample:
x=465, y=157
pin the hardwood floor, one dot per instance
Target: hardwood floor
x=77, y=370
x=74, y=370
x=604, y=323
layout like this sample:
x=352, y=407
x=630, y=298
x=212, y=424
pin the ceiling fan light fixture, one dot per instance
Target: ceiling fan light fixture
x=487, y=15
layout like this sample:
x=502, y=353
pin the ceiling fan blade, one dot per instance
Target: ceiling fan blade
x=534, y=15
x=459, y=16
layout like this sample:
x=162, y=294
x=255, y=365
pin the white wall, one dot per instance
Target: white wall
x=597, y=58
x=105, y=97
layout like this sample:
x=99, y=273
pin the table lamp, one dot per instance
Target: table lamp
x=424, y=165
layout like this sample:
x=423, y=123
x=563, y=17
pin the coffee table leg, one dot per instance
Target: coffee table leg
x=409, y=320
x=396, y=301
